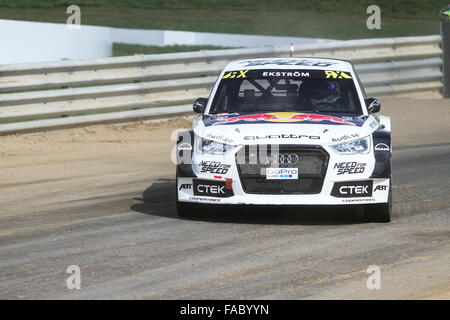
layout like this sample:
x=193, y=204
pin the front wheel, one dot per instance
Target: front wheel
x=380, y=212
x=186, y=209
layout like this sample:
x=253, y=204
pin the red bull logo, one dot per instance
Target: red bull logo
x=283, y=117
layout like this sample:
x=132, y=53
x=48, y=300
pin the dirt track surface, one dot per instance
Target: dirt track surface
x=102, y=198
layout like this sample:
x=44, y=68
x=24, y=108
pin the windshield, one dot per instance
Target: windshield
x=247, y=91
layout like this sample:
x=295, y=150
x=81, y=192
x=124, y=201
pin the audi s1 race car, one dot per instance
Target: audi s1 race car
x=287, y=131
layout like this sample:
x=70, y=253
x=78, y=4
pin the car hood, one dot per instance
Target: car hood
x=283, y=128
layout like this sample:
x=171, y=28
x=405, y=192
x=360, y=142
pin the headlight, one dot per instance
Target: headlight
x=360, y=146
x=212, y=147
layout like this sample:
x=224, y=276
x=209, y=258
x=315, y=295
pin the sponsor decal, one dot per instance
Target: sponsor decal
x=185, y=186
x=382, y=153
x=281, y=136
x=235, y=74
x=212, y=189
x=290, y=74
x=204, y=199
x=381, y=147
x=345, y=137
x=373, y=124
x=281, y=173
x=290, y=62
x=221, y=138
x=353, y=189
x=215, y=167
x=357, y=200
x=282, y=117
x=336, y=75
x=381, y=188
x=350, y=167
x=184, y=146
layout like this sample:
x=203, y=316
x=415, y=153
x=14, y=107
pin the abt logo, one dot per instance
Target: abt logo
x=381, y=188
x=212, y=189
x=185, y=186
x=352, y=189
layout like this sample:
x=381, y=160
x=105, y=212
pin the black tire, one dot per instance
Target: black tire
x=186, y=209
x=379, y=212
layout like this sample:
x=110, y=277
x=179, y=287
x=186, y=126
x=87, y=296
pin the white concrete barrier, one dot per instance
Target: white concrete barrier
x=168, y=37
x=23, y=41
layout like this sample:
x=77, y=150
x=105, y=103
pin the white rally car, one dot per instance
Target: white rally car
x=286, y=131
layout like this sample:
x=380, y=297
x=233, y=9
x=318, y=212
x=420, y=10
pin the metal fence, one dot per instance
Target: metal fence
x=62, y=94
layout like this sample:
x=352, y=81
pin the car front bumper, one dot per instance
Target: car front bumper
x=379, y=194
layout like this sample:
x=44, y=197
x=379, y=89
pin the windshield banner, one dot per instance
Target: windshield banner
x=283, y=73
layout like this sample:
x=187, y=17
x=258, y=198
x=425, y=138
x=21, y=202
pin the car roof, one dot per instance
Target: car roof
x=297, y=63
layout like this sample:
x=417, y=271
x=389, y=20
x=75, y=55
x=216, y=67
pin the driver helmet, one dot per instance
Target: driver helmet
x=320, y=91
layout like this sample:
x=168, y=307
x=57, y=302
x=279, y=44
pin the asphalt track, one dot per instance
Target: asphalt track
x=119, y=225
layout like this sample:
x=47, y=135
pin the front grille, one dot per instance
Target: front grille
x=253, y=160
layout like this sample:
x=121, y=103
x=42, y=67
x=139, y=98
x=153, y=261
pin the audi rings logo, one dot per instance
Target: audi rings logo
x=282, y=158
x=288, y=158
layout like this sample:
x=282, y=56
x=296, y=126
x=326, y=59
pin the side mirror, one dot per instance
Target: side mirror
x=373, y=105
x=200, y=105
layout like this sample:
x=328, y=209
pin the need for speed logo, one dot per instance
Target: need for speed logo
x=215, y=167
x=350, y=167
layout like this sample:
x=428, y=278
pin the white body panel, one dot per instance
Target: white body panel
x=288, y=129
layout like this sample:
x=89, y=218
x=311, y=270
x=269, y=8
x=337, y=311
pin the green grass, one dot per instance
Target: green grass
x=414, y=9
x=123, y=49
x=345, y=19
